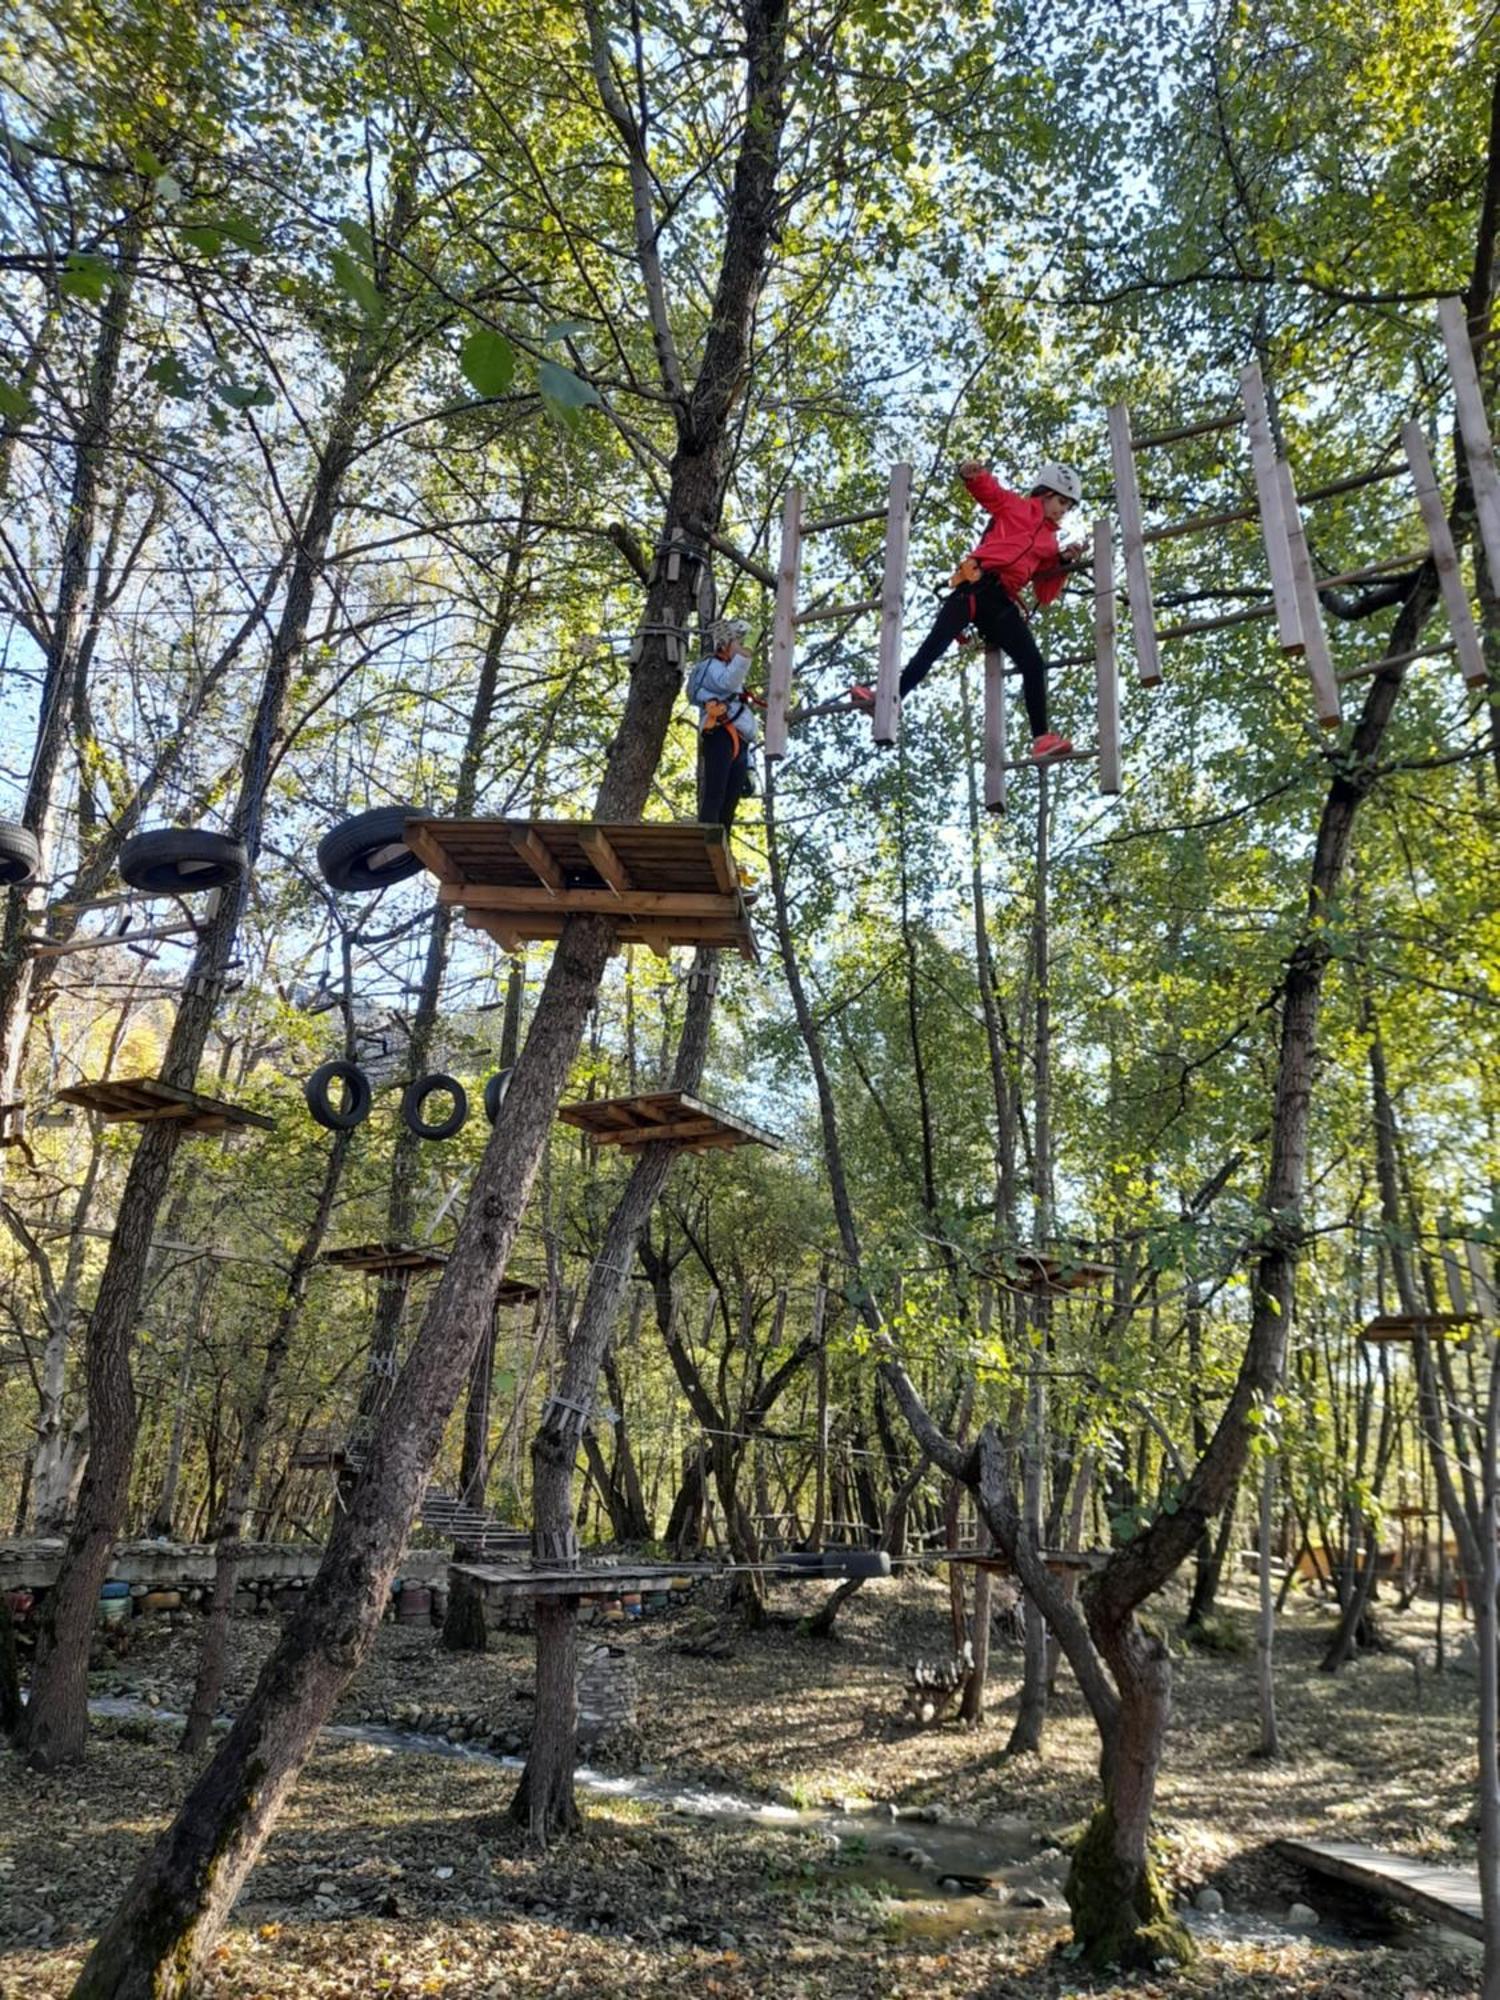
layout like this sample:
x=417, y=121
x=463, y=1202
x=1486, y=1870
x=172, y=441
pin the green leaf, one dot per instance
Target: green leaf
x=359, y=240
x=14, y=402
x=488, y=361
x=564, y=329
x=202, y=237
x=565, y=392
x=239, y=397
x=168, y=373
x=86, y=275
x=354, y=280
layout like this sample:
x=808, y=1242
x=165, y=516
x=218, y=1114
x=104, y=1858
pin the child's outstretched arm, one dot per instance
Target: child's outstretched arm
x=984, y=486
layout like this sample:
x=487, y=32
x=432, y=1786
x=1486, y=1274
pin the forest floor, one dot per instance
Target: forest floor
x=397, y=1874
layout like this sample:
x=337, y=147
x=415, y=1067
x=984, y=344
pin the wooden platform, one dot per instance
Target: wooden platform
x=1060, y=1561
x=665, y=884
x=663, y=1116
x=141, y=1100
x=1446, y=1895
x=1048, y=1272
x=1391, y=1327
x=589, y=1580
x=384, y=1258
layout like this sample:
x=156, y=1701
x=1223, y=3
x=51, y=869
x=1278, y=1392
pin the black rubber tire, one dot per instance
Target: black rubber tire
x=833, y=1562
x=20, y=854
x=494, y=1092
x=358, y=1096
x=368, y=852
x=181, y=860
x=415, y=1096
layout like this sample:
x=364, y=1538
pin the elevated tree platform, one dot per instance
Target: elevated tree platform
x=1048, y=1272
x=663, y=1117
x=1392, y=1327
x=141, y=1100
x=519, y=880
x=325, y=1451
x=384, y=1258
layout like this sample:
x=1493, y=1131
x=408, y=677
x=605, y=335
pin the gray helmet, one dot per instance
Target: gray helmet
x=725, y=631
x=1058, y=479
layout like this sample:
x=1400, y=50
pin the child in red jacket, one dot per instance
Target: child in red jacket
x=1018, y=547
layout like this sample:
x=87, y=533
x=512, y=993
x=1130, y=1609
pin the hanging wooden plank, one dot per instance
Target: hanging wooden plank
x=994, y=729
x=1137, y=575
x=892, y=598
x=1106, y=672
x=1272, y=516
x=1484, y=1292
x=1315, y=654
x=1445, y=556
x=784, y=624
x=1473, y=428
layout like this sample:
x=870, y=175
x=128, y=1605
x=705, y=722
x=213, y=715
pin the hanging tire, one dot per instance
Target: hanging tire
x=844, y=1563
x=368, y=852
x=358, y=1096
x=495, y=1091
x=416, y=1095
x=180, y=860
x=20, y=854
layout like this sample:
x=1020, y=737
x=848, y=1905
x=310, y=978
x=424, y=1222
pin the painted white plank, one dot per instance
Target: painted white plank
x=892, y=597
x=784, y=624
x=1473, y=428
x=994, y=729
x=1272, y=516
x=1445, y=556
x=1315, y=654
x=1137, y=575
x=1106, y=671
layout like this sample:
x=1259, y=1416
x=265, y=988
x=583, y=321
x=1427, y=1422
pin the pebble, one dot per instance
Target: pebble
x=443, y=1874
x=728, y=1941
x=1210, y=1902
x=1302, y=1913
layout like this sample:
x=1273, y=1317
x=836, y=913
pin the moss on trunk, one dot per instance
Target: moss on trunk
x=1121, y=1916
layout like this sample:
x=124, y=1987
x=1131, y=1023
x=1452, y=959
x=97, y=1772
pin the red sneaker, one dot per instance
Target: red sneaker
x=862, y=696
x=1049, y=746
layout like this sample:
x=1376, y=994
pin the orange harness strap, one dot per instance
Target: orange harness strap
x=716, y=716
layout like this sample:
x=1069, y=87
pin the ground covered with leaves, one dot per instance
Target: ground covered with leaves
x=397, y=1873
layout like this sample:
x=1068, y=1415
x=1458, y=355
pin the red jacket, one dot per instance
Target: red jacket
x=1020, y=544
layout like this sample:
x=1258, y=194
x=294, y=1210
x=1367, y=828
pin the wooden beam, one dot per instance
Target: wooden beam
x=830, y=611
x=844, y=520
x=784, y=624
x=892, y=601
x=592, y=902
x=1106, y=674
x=1186, y=431
x=653, y=1135
x=598, y=849
x=431, y=855
x=1268, y=493
x=994, y=729
x=1315, y=655
x=1394, y=660
x=1473, y=428
x=539, y=858
x=1137, y=575
x=725, y=873
x=1195, y=524
x=1440, y=539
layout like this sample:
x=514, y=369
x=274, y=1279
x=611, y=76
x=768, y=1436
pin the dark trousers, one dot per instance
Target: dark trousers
x=998, y=616
x=723, y=777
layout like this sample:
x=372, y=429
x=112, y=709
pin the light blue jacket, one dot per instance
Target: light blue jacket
x=714, y=679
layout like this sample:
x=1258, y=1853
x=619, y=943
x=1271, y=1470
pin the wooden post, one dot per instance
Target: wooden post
x=1137, y=576
x=1273, y=526
x=1445, y=556
x=994, y=729
x=1473, y=428
x=784, y=624
x=1106, y=673
x=1315, y=656
x=892, y=594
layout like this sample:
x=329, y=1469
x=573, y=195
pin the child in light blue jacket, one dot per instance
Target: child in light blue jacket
x=727, y=724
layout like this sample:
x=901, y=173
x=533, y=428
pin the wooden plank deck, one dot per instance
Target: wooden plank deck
x=1446, y=1895
x=658, y=1116
x=1048, y=1272
x=384, y=1258
x=663, y=882
x=589, y=1580
x=140, y=1100
x=1393, y=1327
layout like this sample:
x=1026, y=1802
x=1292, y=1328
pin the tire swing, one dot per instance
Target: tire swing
x=358, y=1096
x=20, y=855
x=369, y=851
x=180, y=860
x=416, y=1095
x=495, y=1091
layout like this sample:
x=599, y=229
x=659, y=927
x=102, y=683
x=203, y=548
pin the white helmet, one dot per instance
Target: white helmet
x=1058, y=479
x=726, y=632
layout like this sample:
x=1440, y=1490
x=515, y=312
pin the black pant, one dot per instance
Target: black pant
x=723, y=777
x=998, y=616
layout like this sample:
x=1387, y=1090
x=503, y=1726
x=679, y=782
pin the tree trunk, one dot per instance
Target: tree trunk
x=544, y=1801
x=164, y=1513
x=464, y=1627
x=213, y=1648
x=1341, y=1646
x=1265, y=1631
